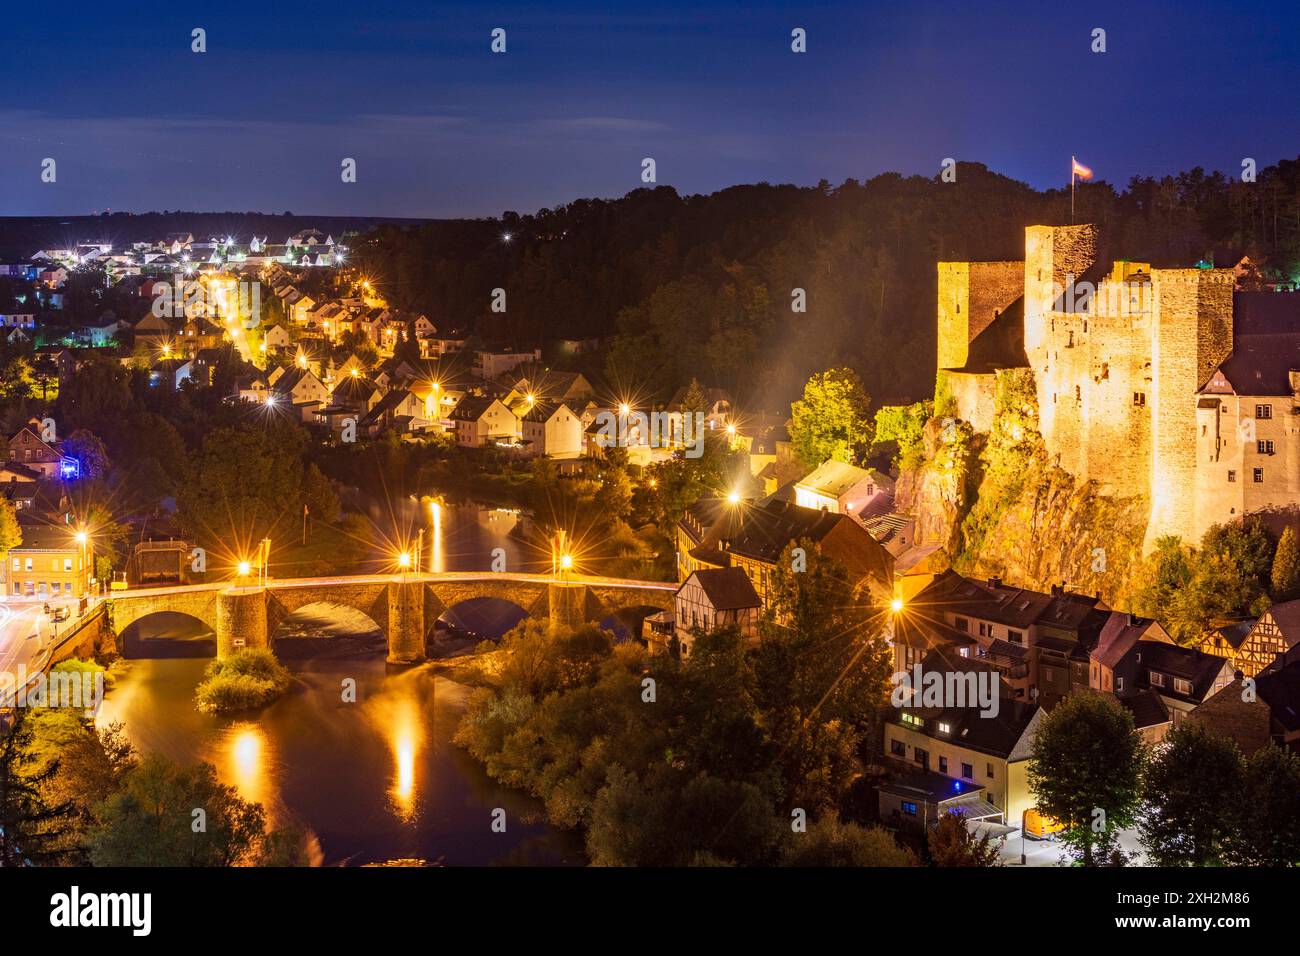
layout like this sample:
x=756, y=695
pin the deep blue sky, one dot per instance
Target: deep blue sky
x=441, y=127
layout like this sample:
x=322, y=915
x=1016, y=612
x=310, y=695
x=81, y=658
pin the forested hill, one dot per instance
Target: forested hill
x=700, y=286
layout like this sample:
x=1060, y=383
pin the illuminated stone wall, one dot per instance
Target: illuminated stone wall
x=1117, y=378
x=1192, y=325
x=971, y=294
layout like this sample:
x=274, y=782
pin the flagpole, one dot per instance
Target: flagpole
x=1073, y=161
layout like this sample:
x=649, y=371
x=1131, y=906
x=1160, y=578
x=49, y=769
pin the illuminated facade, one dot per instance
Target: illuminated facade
x=1164, y=383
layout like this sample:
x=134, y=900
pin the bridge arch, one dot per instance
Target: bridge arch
x=325, y=627
x=162, y=634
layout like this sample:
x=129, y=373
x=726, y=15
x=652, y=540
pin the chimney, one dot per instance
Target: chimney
x=1132, y=619
x=995, y=582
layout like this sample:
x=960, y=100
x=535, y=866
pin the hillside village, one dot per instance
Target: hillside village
x=318, y=345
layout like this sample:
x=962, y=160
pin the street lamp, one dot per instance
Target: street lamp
x=82, y=539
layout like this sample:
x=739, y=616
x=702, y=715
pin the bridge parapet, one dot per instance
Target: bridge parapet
x=404, y=606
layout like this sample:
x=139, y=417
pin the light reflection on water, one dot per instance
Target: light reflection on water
x=376, y=780
x=370, y=781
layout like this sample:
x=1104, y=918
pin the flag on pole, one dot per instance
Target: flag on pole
x=1077, y=169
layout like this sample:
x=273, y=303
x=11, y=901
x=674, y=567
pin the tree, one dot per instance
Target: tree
x=1285, y=576
x=904, y=425
x=1085, y=772
x=821, y=673
x=952, y=844
x=31, y=828
x=1266, y=830
x=152, y=820
x=1190, y=789
x=831, y=421
x=89, y=451
x=245, y=479
x=830, y=842
x=11, y=533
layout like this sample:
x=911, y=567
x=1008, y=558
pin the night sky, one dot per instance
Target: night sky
x=441, y=127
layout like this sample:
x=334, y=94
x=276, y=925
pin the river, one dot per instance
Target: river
x=368, y=782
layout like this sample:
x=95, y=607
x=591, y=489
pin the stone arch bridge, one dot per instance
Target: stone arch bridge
x=405, y=606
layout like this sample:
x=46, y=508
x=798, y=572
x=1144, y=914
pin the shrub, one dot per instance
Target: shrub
x=247, y=681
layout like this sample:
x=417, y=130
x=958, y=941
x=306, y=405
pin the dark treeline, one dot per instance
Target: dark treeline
x=701, y=286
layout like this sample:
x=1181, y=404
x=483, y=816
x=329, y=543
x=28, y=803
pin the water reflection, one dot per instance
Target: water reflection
x=373, y=780
x=245, y=762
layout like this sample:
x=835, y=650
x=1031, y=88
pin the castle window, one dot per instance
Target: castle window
x=1264, y=447
x=1232, y=475
x=1259, y=476
x=1140, y=399
x=1263, y=411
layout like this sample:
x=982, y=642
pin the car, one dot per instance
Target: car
x=61, y=614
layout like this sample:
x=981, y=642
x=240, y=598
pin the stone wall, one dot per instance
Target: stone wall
x=971, y=294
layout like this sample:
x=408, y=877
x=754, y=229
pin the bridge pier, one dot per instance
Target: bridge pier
x=241, y=621
x=567, y=604
x=405, y=622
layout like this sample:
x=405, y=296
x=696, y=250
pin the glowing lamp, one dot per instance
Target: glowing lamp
x=624, y=408
x=734, y=498
x=81, y=537
x=896, y=605
x=404, y=559
x=566, y=561
x=244, y=569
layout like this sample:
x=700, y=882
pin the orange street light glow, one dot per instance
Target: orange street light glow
x=566, y=561
x=734, y=497
x=244, y=569
x=896, y=605
x=404, y=559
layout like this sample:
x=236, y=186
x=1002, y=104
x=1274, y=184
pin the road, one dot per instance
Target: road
x=25, y=630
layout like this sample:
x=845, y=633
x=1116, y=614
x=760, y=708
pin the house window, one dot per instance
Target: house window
x=963, y=625
x=1263, y=411
x=898, y=748
x=1182, y=686
x=1259, y=476
x=1157, y=679
x=1119, y=685
x=909, y=808
x=989, y=768
x=968, y=771
x=986, y=630
x=67, y=564
x=945, y=728
x=1264, y=447
x=1015, y=637
x=1140, y=399
x=943, y=764
x=921, y=756
x=1232, y=475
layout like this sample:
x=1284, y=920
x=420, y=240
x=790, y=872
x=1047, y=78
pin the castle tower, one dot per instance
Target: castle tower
x=1056, y=257
x=1192, y=333
x=971, y=296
